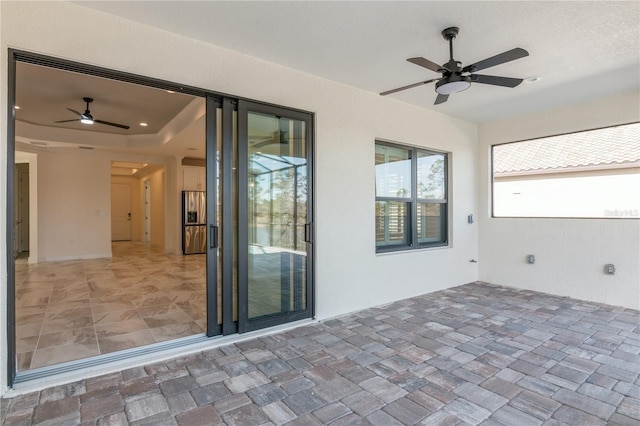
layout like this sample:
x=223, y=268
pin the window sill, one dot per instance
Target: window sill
x=412, y=250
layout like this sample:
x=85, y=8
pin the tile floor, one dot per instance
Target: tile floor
x=76, y=309
x=474, y=354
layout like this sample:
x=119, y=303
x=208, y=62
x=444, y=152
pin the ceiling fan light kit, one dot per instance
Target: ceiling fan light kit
x=454, y=84
x=456, y=78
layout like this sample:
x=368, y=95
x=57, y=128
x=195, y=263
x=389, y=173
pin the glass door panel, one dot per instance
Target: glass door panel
x=274, y=257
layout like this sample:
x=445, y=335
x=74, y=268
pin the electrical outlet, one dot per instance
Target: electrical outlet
x=531, y=259
x=610, y=269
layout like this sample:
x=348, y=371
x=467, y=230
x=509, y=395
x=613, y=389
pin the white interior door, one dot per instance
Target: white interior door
x=120, y=212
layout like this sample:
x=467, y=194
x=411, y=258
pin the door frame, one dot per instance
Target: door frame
x=227, y=156
x=15, y=56
x=229, y=104
x=10, y=220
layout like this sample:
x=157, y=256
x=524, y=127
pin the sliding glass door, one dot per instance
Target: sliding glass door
x=274, y=198
x=77, y=292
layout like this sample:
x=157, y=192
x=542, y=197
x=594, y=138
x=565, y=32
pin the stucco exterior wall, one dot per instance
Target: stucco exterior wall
x=348, y=273
x=570, y=253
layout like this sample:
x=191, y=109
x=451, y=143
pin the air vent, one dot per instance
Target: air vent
x=85, y=147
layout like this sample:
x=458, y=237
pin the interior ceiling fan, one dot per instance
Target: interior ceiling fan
x=87, y=118
x=456, y=78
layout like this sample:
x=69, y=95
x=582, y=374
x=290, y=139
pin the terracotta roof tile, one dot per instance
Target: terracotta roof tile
x=612, y=145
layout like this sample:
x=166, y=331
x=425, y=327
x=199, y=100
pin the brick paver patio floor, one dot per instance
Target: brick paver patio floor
x=474, y=354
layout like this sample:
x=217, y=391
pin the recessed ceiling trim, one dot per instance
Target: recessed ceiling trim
x=64, y=136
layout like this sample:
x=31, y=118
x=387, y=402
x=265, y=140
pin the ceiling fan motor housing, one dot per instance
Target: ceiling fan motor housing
x=452, y=66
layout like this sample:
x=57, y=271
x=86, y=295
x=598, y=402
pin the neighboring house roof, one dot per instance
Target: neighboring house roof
x=612, y=147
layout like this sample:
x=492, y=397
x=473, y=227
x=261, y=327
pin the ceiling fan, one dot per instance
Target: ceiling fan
x=87, y=118
x=456, y=78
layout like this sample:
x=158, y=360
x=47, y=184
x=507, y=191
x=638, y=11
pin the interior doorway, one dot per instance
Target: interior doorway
x=120, y=212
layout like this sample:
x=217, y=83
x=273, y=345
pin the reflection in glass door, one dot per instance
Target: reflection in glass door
x=274, y=196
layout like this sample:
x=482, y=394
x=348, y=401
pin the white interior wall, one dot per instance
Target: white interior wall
x=570, y=253
x=349, y=275
x=72, y=209
x=158, y=207
x=74, y=206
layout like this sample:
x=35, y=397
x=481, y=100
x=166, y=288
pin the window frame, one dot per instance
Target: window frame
x=414, y=200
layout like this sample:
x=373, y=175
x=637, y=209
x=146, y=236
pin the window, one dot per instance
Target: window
x=411, y=198
x=588, y=174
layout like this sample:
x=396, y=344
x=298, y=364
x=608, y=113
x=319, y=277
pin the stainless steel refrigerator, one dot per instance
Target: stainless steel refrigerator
x=194, y=222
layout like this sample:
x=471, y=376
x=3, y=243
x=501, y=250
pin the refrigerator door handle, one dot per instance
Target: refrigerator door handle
x=213, y=236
